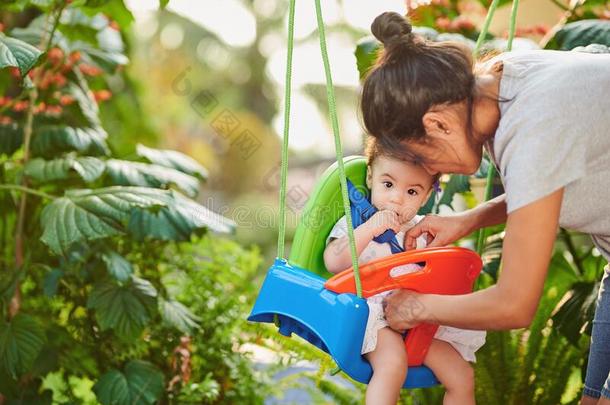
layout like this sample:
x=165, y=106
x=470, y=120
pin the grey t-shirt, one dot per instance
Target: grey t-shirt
x=554, y=132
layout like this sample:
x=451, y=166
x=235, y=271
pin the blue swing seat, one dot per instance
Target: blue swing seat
x=333, y=322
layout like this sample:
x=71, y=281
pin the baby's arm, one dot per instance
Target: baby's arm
x=337, y=256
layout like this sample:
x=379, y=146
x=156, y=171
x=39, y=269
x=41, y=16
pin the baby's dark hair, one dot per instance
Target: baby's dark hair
x=410, y=76
x=373, y=149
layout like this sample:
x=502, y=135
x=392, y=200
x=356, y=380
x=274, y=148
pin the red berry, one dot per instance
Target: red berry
x=443, y=23
x=20, y=106
x=74, y=57
x=102, y=95
x=14, y=72
x=66, y=99
x=55, y=56
x=89, y=70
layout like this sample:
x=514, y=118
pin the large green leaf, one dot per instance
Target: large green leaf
x=126, y=173
x=11, y=138
x=172, y=159
x=83, y=215
x=17, y=53
x=126, y=309
x=94, y=38
x=177, y=315
x=177, y=220
x=581, y=33
x=21, y=339
x=87, y=167
x=575, y=314
x=140, y=383
x=50, y=140
x=87, y=105
x=118, y=267
x=93, y=214
x=366, y=54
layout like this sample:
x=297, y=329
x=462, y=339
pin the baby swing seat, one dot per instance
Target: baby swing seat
x=328, y=313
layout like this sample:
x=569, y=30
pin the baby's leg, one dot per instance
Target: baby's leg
x=455, y=373
x=389, y=362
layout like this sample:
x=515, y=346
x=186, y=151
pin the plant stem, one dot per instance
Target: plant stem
x=561, y=6
x=27, y=190
x=15, y=303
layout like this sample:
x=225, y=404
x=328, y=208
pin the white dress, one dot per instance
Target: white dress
x=466, y=342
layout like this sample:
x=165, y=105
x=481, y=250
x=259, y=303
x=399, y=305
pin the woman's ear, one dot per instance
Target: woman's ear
x=435, y=124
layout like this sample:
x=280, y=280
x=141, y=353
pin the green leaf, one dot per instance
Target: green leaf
x=458, y=183
x=51, y=282
x=17, y=53
x=126, y=309
x=177, y=315
x=83, y=215
x=50, y=140
x=573, y=317
x=118, y=267
x=89, y=168
x=140, y=383
x=86, y=103
x=366, y=54
x=86, y=214
x=177, y=220
x=116, y=10
x=581, y=33
x=172, y=159
x=21, y=339
x=11, y=138
x=163, y=4
x=126, y=173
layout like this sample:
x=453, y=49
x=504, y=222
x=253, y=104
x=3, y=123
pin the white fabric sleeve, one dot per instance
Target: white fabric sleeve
x=338, y=231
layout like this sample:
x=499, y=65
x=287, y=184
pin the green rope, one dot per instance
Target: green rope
x=483, y=33
x=284, y=170
x=513, y=25
x=491, y=173
x=330, y=93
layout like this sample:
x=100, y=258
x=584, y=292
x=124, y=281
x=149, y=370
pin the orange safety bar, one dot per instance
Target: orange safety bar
x=447, y=270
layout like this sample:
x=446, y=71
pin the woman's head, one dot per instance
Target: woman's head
x=396, y=184
x=417, y=99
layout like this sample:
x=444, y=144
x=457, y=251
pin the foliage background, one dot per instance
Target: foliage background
x=113, y=290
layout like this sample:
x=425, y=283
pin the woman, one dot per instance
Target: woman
x=544, y=118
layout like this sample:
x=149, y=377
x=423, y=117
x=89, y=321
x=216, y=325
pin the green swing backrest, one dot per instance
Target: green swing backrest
x=322, y=211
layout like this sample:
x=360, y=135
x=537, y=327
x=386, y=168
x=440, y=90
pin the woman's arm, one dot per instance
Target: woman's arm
x=512, y=302
x=443, y=230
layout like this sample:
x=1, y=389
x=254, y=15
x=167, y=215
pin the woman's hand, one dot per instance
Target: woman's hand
x=404, y=310
x=441, y=230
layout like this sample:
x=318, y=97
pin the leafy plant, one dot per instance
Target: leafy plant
x=86, y=299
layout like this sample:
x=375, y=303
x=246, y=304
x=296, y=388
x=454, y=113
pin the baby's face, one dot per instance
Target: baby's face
x=398, y=186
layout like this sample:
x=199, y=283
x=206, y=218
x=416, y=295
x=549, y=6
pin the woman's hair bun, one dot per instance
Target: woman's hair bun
x=391, y=28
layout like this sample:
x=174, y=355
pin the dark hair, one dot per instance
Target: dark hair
x=373, y=149
x=411, y=75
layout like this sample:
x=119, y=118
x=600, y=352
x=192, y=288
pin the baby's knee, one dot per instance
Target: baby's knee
x=394, y=362
x=462, y=378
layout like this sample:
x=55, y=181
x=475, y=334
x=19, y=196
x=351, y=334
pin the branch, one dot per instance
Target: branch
x=27, y=190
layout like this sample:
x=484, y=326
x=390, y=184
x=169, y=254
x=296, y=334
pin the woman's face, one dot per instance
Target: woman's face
x=448, y=147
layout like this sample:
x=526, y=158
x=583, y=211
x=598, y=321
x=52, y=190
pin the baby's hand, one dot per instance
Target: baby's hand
x=384, y=220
